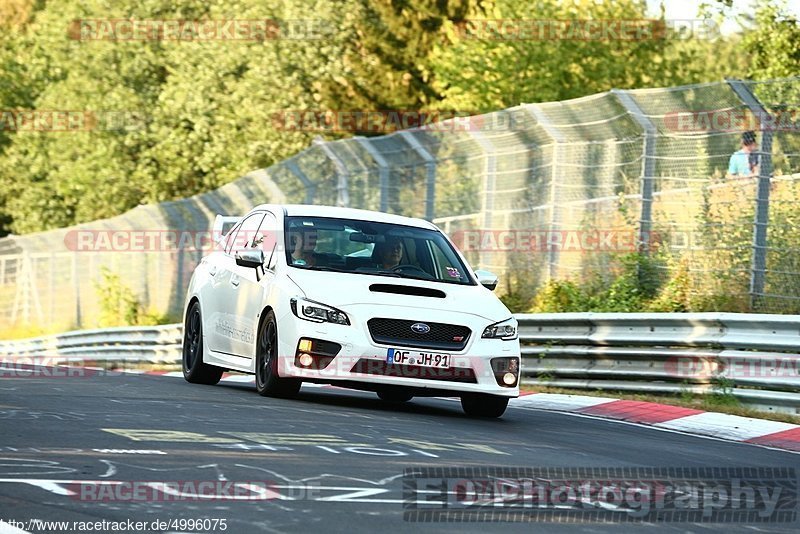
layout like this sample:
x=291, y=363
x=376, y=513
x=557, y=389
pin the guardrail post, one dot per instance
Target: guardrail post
x=555, y=219
x=648, y=166
x=758, y=266
x=342, y=192
x=489, y=176
x=430, y=172
x=383, y=171
x=311, y=187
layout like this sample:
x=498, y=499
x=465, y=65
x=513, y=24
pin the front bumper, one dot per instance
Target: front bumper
x=363, y=361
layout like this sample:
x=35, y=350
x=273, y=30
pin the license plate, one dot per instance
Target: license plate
x=424, y=359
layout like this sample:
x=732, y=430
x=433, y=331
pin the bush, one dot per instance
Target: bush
x=119, y=305
x=630, y=283
x=558, y=296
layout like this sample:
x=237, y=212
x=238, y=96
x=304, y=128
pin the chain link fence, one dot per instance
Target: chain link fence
x=537, y=192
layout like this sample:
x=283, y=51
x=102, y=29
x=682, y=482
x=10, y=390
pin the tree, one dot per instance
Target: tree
x=486, y=72
x=387, y=55
x=772, y=48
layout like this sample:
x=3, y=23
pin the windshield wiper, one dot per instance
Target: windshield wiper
x=429, y=279
x=382, y=273
x=324, y=268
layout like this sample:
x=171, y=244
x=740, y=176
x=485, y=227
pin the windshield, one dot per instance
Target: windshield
x=366, y=247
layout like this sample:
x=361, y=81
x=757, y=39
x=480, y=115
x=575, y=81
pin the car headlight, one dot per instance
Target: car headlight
x=503, y=330
x=317, y=312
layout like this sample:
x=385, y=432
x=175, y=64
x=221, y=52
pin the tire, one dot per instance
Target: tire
x=195, y=370
x=394, y=395
x=479, y=405
x=268, y=383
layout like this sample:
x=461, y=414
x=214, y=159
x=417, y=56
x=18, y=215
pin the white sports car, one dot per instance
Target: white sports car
x=360, y=299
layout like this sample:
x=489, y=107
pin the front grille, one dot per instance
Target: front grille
x=398, y=332
x=381, y=367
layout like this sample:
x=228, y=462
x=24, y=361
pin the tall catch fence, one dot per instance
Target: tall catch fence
x=537, y=192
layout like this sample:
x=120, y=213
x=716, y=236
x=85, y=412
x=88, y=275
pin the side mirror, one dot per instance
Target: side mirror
x=252, y=258
x=486, y=279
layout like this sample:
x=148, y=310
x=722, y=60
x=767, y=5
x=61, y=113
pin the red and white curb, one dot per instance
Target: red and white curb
x=774, y=434
x=763, y=432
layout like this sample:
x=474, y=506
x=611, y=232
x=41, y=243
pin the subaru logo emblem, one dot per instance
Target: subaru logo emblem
x=420, y=328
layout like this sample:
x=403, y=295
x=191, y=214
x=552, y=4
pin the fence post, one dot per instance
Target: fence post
x=383, y=171
x=758, y=266
x=311, y=187
x=489, y=176
x=430, y=173
x=558, y=141
x=343, y=175
x=648, y=166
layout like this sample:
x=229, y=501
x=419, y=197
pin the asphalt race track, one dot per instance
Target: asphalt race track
x=333, y=458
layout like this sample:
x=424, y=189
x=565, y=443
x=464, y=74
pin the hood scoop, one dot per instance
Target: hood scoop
x=407, y=290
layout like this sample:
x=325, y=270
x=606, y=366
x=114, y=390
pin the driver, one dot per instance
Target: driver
x=302, y=243
x=389, y=253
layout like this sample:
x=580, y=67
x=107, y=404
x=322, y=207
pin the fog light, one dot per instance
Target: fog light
x=509, y=379
x=306, y=360
x=304, y=345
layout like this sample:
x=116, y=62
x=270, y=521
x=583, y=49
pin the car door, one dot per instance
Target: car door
x=252, y=283
x=226, y=327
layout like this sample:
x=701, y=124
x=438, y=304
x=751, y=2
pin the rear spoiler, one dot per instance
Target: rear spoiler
x=223, y=225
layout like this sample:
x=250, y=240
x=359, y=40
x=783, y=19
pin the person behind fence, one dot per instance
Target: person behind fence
x=388, y=254
x=744, y=162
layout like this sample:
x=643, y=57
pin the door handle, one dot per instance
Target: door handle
x=235, y=281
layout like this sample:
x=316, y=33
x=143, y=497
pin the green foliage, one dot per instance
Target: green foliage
x=515, y=300
x=721, y=393
x=773, y=49
x=387, y=53
x=120, y=306
x=676, y=294
x=631, y=283
x=558, y=296
x=488, y=74
x=204, y=112
x=627, y=285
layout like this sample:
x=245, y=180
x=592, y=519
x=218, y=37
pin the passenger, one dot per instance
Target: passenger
x=389, y=254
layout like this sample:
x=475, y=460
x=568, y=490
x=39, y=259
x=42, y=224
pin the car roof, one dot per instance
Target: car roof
x=310, y=210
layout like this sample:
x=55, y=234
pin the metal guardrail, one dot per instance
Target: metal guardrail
x=754, y=357
x=155, y=344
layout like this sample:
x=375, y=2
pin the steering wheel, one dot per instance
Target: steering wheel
x=409, y=267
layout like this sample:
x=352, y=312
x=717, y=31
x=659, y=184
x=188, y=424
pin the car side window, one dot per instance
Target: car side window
x=229, y=238
x=266, y=238
x=245, y=234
